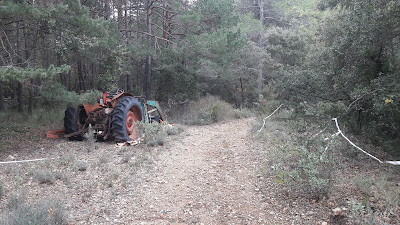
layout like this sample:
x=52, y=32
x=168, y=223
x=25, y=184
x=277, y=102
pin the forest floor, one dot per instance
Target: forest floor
x=212, y=174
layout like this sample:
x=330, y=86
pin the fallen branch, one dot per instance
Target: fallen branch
x=380, y=161
x=28, y=160
x=269, y=116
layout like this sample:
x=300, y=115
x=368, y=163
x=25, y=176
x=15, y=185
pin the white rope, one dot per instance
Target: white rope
x=380, y=161
x=319, y=132
x=269, y=116
x=28, y=160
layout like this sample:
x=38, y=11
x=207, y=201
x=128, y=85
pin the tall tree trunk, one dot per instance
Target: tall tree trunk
x=20, y=100
x=19, y=63
x=81, y=78
x=241, y=93
x=147, y=80
x=31, y=96
x=12, y=88
x=128, y=83
x=119, y=14
x=28, y=54
x=260, y=79
x=126, y=16
x=1, y=96
x=107, y=9
x=166, y=23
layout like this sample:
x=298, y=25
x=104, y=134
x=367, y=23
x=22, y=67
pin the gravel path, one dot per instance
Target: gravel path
x=206, y=177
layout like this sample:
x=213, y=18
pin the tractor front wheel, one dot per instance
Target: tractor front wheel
x=71, y=123
x=127, y=113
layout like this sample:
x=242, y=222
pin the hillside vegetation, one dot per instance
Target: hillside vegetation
x=208, y=61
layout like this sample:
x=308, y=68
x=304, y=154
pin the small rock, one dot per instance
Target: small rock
x=10, y=158
x=324, y=223
x=272, y=213
x=337, y=211
x=387, y=219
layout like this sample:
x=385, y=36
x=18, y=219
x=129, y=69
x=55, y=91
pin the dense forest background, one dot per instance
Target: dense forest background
x=320, y=58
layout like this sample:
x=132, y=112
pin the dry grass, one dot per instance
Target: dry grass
x=337, y=176
x=207, y=110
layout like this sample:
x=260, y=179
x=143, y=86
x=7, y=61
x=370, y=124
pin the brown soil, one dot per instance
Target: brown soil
x=211, y=174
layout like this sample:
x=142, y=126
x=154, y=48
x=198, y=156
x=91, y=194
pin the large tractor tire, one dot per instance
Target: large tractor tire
x=127, y=113
x=71, y=123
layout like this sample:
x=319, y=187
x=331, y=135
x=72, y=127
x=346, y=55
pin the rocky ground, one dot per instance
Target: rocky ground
x=211, y=174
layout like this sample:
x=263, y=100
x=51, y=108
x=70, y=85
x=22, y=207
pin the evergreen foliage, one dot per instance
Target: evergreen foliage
x=323, y=57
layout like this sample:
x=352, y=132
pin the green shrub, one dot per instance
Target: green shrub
x=242, y=113
x=140, y=161
x=90, y=97
x=44, y=177
x=207, y=110
x=126, y=158
x=81, y=166
x=104, y=159
x=1, y=190
x=15, y=200
x=300, y=163
x=53, y=94
x=382, y=189
x=44, y=212
x=155, y=133
x=307, y=171
x=174, y=129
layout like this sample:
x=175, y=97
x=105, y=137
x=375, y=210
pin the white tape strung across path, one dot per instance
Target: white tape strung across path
x=380, y=161
x=28, y=160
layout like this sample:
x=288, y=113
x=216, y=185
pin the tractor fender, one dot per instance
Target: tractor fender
x=116, y=98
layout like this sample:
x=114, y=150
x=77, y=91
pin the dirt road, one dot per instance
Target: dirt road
x=205, y=177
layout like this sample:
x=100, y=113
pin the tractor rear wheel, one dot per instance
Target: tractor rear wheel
x=127, y=113
x=71, y=123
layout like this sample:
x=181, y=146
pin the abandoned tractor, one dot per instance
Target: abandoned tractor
x=116, y=115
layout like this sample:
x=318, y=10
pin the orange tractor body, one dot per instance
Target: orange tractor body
x=115, y=116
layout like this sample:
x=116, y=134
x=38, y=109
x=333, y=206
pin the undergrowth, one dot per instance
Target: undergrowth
x=207, y=110
x=20, y=212
x=302, y=164
x=1, y=190
x=155, y=133
x=304, y=155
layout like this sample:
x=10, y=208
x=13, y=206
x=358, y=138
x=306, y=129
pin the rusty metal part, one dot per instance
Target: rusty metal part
x=79, y=132
x=99, y=116
x=90, y=108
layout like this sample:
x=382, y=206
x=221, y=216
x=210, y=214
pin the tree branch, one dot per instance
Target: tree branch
x=142, y=32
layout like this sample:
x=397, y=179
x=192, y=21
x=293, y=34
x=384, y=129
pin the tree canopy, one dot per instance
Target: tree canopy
x=327, y=58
